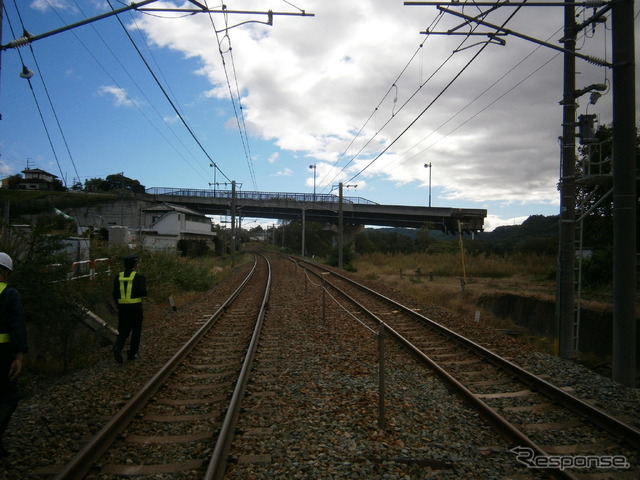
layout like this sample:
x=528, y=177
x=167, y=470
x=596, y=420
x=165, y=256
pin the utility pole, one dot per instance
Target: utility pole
x=215, y=167
x=428, y=165
x=303, y=230
x=1, y=23
x=233, y=223
x=624, y=193
x=314, y=166
x=340, y=227
x=624, y=174
x=566, y=256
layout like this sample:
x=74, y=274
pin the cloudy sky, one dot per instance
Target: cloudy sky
x=358, y=89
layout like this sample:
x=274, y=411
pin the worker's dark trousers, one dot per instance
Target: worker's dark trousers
x=129, y=323
x=8, y=391
x=7, y=407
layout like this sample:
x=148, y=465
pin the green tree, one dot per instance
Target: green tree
x=13, y=180
x=116, y=182
x=594, y=194
x=423, y=239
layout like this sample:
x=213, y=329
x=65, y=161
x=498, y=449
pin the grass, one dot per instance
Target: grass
x=55, y=349
x=439, y=279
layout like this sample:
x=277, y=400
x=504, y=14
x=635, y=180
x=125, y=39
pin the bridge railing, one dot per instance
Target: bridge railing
x=249, y=195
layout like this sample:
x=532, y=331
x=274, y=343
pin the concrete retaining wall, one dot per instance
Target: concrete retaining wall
x=538, y=317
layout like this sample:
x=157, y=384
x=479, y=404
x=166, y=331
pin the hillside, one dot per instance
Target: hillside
x=538, y=233
x=26, y=202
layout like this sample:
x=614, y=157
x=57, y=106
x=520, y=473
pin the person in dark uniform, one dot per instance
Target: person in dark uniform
x=128, y=289
x=13, y=346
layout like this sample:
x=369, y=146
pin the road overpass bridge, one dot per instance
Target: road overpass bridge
x=322, y=208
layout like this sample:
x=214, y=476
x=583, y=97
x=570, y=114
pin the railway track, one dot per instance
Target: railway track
x=548, y=428
x=181, y=422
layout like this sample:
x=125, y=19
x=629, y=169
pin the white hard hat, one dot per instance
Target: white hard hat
x=5, y=261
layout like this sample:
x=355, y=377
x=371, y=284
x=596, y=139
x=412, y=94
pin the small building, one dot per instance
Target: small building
x=36, y=179
x=175, y=228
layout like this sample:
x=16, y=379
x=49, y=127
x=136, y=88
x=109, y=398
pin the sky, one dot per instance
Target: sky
x=369, y=92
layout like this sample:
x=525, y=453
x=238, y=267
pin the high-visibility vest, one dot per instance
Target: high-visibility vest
x=126, y=286
x=4, y=337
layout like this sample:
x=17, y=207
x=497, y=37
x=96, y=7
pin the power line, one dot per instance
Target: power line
x=475, y=56
x=375, y=110
x=35, y=98
x=132, y=101
x=164, y=92
x=239, y=116
x=527, y=77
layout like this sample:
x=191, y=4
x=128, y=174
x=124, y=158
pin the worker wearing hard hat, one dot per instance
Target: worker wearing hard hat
x=128, y=289
x=13, y=345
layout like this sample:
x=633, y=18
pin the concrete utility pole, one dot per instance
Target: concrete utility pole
x=304, y=228
x=340, y=227
x=565, y=288
x=624, y=193
x=429, y=166
x=624, y=173
x=233, y=223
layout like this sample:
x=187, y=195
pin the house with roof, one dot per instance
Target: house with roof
x=36, y=179
x=173, y=227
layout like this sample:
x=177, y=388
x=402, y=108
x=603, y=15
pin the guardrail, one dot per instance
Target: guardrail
x=240, y=195
x=89, y=268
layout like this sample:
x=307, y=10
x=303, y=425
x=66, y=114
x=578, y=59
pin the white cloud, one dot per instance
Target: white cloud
x=273, y=158
x=119, y=95
x=488, y=125
x=5, y=169
x=287, y=172
x=43, y=5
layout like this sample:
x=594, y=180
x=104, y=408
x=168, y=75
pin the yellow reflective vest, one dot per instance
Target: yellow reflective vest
x=126, y=286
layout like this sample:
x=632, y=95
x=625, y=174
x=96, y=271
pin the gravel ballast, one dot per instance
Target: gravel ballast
x=312, y=407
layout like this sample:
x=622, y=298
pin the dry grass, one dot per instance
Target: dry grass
x=438, y=279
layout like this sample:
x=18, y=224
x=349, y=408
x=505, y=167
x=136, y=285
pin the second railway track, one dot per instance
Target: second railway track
x=548, y=426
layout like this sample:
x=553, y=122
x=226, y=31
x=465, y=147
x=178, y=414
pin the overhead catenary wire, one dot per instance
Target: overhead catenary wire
x=433, y=24
x=166, y=95
x=375, y=110
x=140, y=89
x=35, y=98
x=131, y=100
x=527, y=77
x=512, y=69
x=411, y=97
x=239, y=116
x=445, y=88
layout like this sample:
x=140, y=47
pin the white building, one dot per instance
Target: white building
x=172, y=227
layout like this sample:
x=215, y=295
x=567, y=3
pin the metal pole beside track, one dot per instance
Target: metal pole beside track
x=381, y=386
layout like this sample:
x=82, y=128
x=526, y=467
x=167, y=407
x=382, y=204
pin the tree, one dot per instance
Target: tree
x=14, y=180
x=116, y=182
x=594, y=167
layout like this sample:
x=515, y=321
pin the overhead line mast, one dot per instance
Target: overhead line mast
x=624, y=168
x=28, y=38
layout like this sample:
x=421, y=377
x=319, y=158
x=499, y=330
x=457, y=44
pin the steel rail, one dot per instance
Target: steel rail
x=218, y=462
x=596, y=416
x=503, y=427
x=80, y=464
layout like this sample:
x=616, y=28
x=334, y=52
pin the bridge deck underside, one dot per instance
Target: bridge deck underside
x=440, y=218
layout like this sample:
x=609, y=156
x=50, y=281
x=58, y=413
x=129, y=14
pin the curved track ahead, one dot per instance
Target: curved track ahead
x=545, y=423
x=181, y=422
